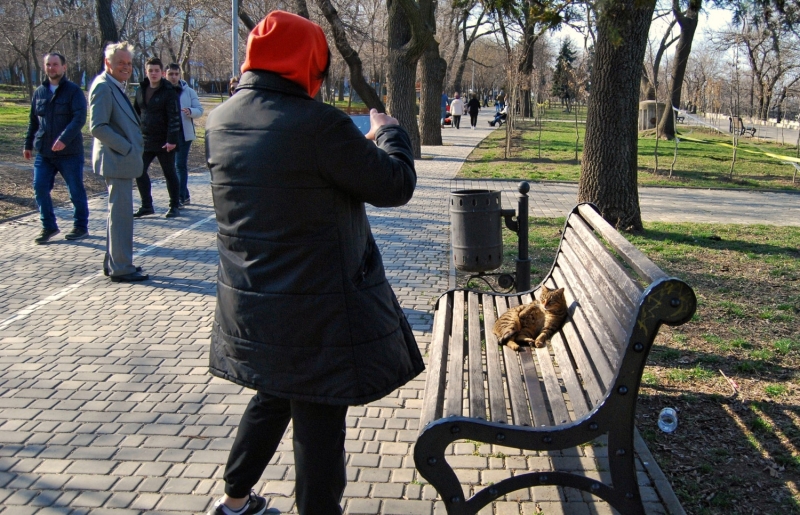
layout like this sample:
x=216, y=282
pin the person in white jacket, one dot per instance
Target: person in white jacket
x=190, y=108
x=457, y=110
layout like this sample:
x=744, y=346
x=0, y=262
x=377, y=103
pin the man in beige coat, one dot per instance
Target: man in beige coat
x=117, y=156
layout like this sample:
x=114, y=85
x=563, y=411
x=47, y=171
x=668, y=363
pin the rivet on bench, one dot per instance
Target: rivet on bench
x=622, y=390
x=620, y=452
x=455, y=499
x=675, y=303
x=593, y=426
x=629, y=495
x=500, y=437
x=432, y=461
x=493, y=492
x=547, y=439
x=595, y=487
x=455, y=429
x=543, y=478
x=638, y=347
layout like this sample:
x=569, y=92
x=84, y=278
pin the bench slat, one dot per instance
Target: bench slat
x=633, y=256
x=616, y=274
x=433, y=399
x=519, y=404
x=477, y=397
x=576, y=331
x=594, y=334
x=455, y=370
x=591, y=295
x=556, y=399
x=534, y=386
x=612, y=297
x=497, y=397
x=568, y=373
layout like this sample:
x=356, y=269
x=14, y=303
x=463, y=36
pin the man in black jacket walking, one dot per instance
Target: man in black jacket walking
x=158, y=107
x=58, y=112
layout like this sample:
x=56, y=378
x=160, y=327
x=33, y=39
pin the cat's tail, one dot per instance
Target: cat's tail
x=508, y=336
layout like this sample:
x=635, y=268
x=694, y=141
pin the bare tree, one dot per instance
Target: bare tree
x=609, y=166
x=408, y=37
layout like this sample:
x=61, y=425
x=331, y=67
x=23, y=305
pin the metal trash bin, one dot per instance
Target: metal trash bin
x=476, y=230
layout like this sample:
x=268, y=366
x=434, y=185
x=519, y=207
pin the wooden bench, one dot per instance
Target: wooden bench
x=680, y=119
x=737, y=124
x=583, y=385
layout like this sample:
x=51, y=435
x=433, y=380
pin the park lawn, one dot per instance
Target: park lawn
x=13, y=94
x=13, y=125
x=731, y=453
x=703, y=164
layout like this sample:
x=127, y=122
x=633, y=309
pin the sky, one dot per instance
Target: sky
x=711, y=19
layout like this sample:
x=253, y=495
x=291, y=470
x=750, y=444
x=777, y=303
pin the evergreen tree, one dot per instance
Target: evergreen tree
x=563, y=76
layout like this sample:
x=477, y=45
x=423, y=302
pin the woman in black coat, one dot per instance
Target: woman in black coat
x=473, y=106
x=304, y=315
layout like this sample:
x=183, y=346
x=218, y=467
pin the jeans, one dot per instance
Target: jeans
x=181, y=159
x=167, y=162
x=44, y=175
x=318, y=441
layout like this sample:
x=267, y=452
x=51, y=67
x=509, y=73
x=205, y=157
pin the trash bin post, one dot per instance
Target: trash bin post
x=523, y=279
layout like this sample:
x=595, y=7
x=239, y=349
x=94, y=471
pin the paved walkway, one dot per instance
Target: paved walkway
x=106, y=405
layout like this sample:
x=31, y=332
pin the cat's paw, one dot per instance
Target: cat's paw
x=512, y=346
x=507, y=337
x=540, y=342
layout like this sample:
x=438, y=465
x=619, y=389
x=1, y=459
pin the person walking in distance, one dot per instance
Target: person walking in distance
x=456, y=110
x=158, y=106
x=190, y=109
x=117, y=156
x=305, y=315
x=473, y=107
x=58, y=113
x=445, y=101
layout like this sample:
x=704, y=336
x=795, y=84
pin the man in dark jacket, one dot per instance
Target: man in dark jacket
x=158, y=107
x=58, y=112
x=304, y=315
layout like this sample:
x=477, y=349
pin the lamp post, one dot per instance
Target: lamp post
x=235, y=38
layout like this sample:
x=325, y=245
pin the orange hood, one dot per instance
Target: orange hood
x=291, y=46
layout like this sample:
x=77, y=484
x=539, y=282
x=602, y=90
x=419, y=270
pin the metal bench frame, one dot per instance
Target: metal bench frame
x=616, y=308
x=737, y=124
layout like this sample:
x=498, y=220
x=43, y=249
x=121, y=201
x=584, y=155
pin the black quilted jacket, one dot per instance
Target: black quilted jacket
x=161, y=117
x=304, y=310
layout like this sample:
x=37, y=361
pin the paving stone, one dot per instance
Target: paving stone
x=404, y=507
x=363, y=507
x=91, y=499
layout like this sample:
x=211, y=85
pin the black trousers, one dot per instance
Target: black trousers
x=457, y=121
x=167, y=162
x=473, y=119
x=318, y=440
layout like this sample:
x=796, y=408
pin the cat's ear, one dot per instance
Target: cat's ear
x=545, y=290
x=559, y=291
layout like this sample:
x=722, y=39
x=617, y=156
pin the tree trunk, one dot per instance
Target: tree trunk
x=609, y=165
x=108, y=29
x=432, y=69
x=407, y=40
x=688, y=23
x=351, y=57
x=401, y=94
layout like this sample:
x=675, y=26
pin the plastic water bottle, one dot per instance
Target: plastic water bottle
x=668, y=420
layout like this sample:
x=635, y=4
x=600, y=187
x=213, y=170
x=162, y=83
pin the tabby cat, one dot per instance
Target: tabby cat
x=542, y=317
